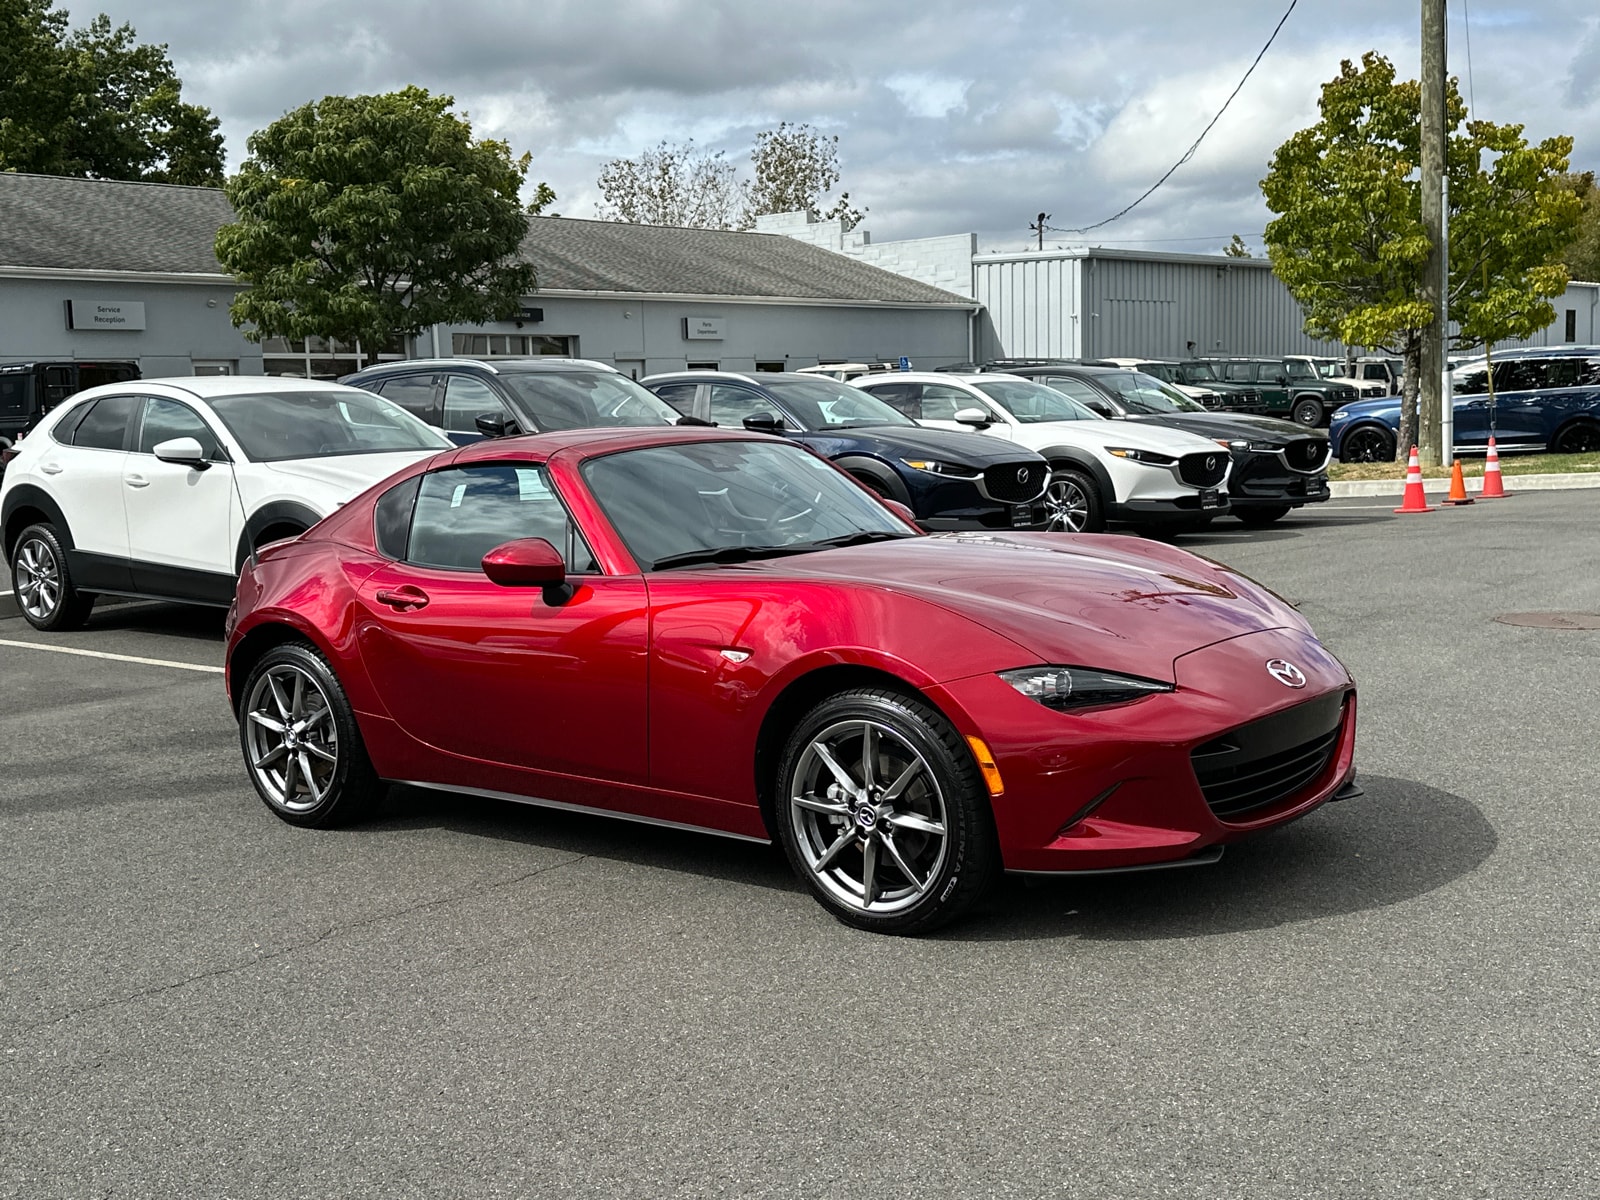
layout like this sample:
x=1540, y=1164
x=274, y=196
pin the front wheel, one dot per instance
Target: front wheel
x=1369, y=444
x=43, y=582
x=301, y=745
x=1577, y=438
x=1072, y=503
x=1308, y=411
x=1259, y=518
x=882, y=812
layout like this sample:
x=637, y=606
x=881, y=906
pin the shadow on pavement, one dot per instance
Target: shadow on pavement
x=1399, y=841
x=153, y=616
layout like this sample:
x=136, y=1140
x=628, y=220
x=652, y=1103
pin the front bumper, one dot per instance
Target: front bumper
x=1116, y=788
x=989, y=517
x=1148, y=494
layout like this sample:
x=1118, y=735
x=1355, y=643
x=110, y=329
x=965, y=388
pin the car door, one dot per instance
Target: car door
x=730, y=403
x=417, y=393
x=1091, y=398
x=466, y=398
x=82, y=469
x=517, y=677
x=940, y=402
x=183, y=521
x=1517, y=414
x=683, y=397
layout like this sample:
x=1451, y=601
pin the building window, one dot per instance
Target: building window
x=508, y=345
x=702, y=366
x=772, y=366
x=1572, y=325
x=320, y=358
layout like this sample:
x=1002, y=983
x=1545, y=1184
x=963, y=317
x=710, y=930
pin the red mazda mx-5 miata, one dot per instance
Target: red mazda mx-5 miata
x=719, y=630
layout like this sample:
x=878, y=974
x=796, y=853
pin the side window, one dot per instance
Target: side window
x=465, y=400
x=414, y=393
x=105, y=426
x=462, y=513
x=13, y=394
x=941, y=402
x=167, y=419
x=1081, y=392
x=1589, y=372
x=731, y=404
x=679, y=395
x=1472, y=383
x=1241, y=372
x=392, y=518
x=1561, y=372
x=1518, y=375
x=905, y=397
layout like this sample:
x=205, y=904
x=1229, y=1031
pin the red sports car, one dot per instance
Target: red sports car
x=719, y=630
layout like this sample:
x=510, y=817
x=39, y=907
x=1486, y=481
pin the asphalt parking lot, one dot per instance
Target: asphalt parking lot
x=1393, y=997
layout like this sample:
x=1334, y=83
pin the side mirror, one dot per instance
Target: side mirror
x=899, y=510
x=764, y=422
x=974, y=417
x=526, y=562
x=494, y=425
x=183, y=452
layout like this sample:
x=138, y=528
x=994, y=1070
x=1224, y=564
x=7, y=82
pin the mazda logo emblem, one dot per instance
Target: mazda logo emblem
x=1022, y=474
x=1211, y=462
x=1286, y=673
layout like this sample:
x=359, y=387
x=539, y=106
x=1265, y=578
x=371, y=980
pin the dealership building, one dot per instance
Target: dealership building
x=98, y=270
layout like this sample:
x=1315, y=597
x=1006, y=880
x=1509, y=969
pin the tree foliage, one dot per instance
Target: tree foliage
x=1237, y=249
x=371, y=217
x=674, y=184
x=96, y=102
x=1582, y=256
x=1349, y=242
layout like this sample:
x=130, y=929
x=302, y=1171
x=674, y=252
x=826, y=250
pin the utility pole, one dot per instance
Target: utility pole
x=1431, y=397
x=1040, y=227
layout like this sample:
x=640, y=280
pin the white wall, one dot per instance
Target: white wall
x=942, y=262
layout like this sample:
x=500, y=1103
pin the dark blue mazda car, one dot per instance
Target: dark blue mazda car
x=950, y=480
x=1544, y=400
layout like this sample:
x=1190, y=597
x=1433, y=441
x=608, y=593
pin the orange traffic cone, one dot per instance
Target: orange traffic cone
x=1415, y=499
x=1458, y=487
x=1493, y=488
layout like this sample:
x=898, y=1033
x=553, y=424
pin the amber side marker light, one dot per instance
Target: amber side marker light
x=991, y=773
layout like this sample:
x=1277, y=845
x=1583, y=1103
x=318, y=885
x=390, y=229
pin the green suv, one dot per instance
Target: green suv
x=1289, y=387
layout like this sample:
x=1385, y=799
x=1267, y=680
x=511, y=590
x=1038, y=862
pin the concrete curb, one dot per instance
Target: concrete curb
x=1514, y=483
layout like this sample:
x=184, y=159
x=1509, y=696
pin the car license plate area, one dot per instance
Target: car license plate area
x=1211, y=498
x=1021, y=516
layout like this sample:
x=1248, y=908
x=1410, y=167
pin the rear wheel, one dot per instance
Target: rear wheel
x=1366, y=445
x=883, y=813
x=1257, y=518
x=1072, y=503
x=43, y=582
x=302, y=747
x=1578, y=438
x=1308, y=411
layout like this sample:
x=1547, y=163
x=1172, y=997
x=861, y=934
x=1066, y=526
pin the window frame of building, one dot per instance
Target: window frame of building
x=513, y=345
x=321, y=358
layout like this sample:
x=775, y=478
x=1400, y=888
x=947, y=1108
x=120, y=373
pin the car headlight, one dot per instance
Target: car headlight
x=1339, y=414
x=1233, y=445
x=941, y=468
x=1080, y=687
x=1149, y=457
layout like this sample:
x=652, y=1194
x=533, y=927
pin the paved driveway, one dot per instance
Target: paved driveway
x=1393, y=997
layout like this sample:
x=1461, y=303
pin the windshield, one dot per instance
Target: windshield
x=1299, y=368
x=586, y=400
x=1034, y=403
x=1146, y=394
x=1330, y=368
x=824, y=404
x=731, y=500
x=286, y=425
x=1197, y=372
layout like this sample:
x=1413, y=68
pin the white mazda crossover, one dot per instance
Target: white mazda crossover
x=161, y=487
x=1100, y=470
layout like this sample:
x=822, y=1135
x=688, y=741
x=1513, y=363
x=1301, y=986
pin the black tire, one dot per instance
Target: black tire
x=872, y=485
x=1580, y=437
x=42, y=578
x=1308, y=411
x=1367, y=443
x=1073, y=503
x=919, y=826
x=1260, y=518
x=327, y=778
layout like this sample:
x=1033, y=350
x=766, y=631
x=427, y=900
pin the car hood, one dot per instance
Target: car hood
x=1095, y=600
x=1231, y=428
x=914, y=441
x=1378, y=406
x=345, y=476
x=1096, y=435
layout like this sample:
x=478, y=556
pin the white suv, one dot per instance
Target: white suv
x=1100, y=470
x=160, y=488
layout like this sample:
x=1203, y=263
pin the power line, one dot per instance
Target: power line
x=1466, y=28
x=1189, y=153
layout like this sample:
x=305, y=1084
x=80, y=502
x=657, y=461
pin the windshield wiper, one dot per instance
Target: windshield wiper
x=728, y=554
x=862, y=537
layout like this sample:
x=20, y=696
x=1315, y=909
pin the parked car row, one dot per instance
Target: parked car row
x=573, y=618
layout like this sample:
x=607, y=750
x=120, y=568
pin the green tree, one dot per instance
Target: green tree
x=367, y=218
x=795, y=168
x=1582, y=256
x=1349, y=241
x=1237, y=249
x=672, y=183
x=96, y=103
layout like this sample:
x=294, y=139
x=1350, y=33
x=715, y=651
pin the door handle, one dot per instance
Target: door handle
x=51, y=468
x=135, y=481
x=403, y=598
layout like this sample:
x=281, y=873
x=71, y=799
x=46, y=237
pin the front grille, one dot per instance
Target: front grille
x=1346, y=395
x=1307, y=454
x=1269, y=761
x=1203, y=470
x=1015, y=483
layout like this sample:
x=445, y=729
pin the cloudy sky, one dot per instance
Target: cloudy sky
x=952, y=116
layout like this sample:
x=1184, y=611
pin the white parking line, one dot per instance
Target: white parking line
x=128, y=658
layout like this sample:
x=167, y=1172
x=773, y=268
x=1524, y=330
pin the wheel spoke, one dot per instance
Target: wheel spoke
x=321, y=752
x=278, y=697
x=315, y=719
x=290, y=771
x=869, y=872
x=869, y=757
x=309, y=776
x=843, y=777
x=271, y=756
x=900, y=863
x=266, y=722
x=832, y=808
x=833, y=851
x=299, y=697
x=903, y=781
x=913, y=821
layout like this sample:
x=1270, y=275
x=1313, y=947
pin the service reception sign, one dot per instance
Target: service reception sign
x=105, y=314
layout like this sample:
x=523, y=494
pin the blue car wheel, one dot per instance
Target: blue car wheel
x=1366, y=444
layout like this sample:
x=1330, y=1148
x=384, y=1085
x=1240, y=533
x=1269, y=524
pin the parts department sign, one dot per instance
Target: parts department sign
x=703, y=329
x=105, y=314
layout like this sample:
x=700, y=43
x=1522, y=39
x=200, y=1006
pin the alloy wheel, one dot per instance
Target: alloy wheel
x=291, y=738
x=38, y=579
x=869, y=817
x=1066, y=506
x=1366, y=446
x=1578, y=439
